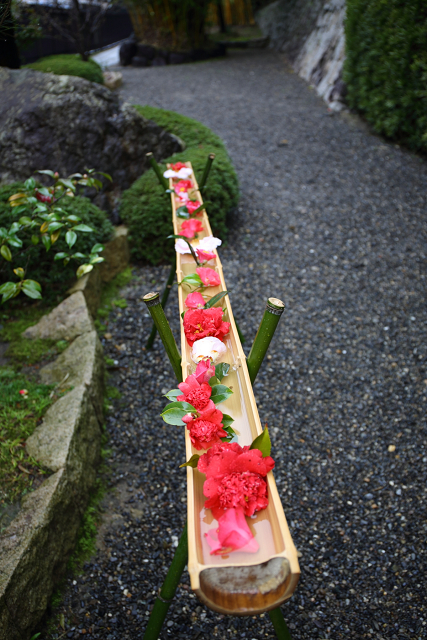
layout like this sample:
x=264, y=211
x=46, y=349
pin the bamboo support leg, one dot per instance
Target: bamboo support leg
x=206, y=171
x=156, y=311
x=164, y=301
x=279, y=624
x=269, y=322
x=167, y=592
x=163, y=181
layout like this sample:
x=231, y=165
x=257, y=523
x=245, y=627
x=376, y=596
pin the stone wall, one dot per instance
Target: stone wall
x=311, y=34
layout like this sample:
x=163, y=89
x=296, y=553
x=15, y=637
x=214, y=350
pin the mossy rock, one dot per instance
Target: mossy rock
x=146, y=209
x=69, y=64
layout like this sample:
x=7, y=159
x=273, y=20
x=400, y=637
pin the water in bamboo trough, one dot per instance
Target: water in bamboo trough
x=239, y=582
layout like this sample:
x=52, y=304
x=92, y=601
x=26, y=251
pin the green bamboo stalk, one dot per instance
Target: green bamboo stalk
x=168, y=590
x=279, y=624
x=156, y=311
x=163, y=181
x=269, y=322
x=203, y=181
x=165, y=296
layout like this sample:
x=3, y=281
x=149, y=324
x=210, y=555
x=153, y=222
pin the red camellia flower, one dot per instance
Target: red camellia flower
x=207, y=429
x=182, y=186
x=235, y=478
x=194, y=301
x=192, y=205
x=197, y=394
x=209, y=277
x=200, y=323
x=41, y=198
x=177, y=166
x=205, y=255
x=190, y=227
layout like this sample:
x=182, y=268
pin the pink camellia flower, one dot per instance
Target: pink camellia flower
x=192, y=205
x=195, y=301
x=233, y=533
x=190, y=227
x=209, y=277
x=204, y=371
x=197, y=394
x=23, y=392
x=204, y=256
x=177, y=166
x=207, y=429
x=182, y=187
x=235, y=478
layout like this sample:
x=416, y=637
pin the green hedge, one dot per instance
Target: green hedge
x=146, y=209
x=53, y=276
x=69, y=64
x=386, y=66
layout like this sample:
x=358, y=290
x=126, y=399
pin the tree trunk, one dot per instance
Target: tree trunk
x=9, y=54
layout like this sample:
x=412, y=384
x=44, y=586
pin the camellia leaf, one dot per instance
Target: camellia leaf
x=214, y=381
x=210, y=303
x=227, y=421
x=80, y=256
x=172, y=394
x=14, y=241
x=174, y=416
x=54, y=226
x=67, y=183
x=9, y=290
x=263, y=443
x=6, y=252
x=46, y=241
x=181, y=404
x=70, y=238
x=54, y=236
x=193, y=279
x=44, y=227
x=35, y=239
x=192, y=462
x=220, y=393
x=25, y=220
x=30, y=183
x=83, y=227
x=47, y=172
x=14, y=228
x=84, y=268
x=96, y=260
x=97, y=248
x=221, y=370
x=60, y=255
x=73, y=218
x=32, y=289
x=19, y=272
x=182, y=212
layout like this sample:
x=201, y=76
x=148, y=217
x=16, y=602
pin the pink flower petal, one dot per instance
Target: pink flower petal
x=195, y=301
x=233, y=533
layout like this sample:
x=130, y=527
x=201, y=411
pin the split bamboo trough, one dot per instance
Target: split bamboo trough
x=238, y=583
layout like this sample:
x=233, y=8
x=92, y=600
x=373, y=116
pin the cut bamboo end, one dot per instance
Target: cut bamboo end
x=152, y=298
x=276, y=304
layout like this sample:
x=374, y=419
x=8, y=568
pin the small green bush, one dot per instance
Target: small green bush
x=146, y=209
x=386, y=67
x=69, y=64
x=54, y=277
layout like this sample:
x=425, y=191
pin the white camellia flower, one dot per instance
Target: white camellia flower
x=209, y=243
x=182, y=174
x=209, y=347
x=181, y=246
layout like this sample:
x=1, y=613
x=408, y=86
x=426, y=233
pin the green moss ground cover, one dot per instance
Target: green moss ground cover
x=19, y=416
x=146, y=209
x=69, y=64
x=386, y=67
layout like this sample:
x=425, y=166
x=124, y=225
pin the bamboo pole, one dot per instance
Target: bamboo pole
x=269, y=322
x=164, y=301
x=167, y=592
x=163, y=181
x=203, y=181
x=156, y=311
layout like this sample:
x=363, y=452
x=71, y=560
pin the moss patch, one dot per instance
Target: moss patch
x=69, y=65
x=146, y=209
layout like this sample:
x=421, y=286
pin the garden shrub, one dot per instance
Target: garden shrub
x=386, y=66
x=54, y=277
x=69, y=64
x=146, y=209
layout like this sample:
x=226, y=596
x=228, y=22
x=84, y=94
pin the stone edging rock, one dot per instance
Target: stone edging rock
x=35, y=548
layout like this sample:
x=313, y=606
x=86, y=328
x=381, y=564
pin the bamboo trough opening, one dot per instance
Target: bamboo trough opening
x=238, y=583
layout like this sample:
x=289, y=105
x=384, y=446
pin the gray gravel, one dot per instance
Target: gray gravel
x=334, y=223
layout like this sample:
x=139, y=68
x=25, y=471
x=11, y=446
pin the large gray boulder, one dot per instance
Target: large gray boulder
x=66, y=123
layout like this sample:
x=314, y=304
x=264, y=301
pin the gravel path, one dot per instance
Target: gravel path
x=334, y=223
